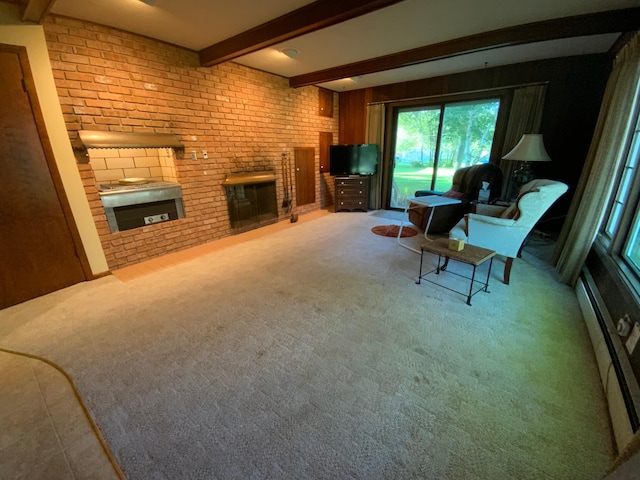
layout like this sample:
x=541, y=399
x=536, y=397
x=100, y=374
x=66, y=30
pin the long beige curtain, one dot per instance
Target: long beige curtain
x=375, y=134
x=598, y=178
x=525, y=117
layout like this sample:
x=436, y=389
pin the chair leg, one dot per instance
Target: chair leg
x=445, y=264
x=507, y=270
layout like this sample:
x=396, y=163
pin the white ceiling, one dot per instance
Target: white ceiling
x=196, y=24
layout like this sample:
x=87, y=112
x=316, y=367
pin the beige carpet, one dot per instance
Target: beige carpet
x=311, y=353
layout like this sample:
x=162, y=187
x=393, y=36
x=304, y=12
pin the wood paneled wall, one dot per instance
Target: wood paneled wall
x=574, y=93
x=353, y=115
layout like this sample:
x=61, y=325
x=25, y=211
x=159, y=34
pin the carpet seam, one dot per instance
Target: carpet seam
x=112, y=460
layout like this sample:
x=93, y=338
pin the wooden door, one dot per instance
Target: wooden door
x=305, y=159
x=326, y=140
x=325, y=102
x=38, y=238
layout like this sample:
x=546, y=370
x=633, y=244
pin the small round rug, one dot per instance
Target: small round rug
x=392, y=231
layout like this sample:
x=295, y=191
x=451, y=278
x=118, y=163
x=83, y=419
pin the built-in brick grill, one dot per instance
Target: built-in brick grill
x=251, y=199
x=133, y=206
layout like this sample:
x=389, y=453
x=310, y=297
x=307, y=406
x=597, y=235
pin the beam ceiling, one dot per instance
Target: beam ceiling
x=312, y=17
x=614, y=21
x=35, y=10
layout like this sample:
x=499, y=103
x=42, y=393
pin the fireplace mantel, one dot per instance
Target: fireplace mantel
x=249, y=178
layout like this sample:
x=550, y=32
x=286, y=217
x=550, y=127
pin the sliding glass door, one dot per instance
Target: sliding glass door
x=432, y=141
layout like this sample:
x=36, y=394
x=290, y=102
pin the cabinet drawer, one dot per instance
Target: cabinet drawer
x=349, y=191
x=353, y=182
x=352, y=204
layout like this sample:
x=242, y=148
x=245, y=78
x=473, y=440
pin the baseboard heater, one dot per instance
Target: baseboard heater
x=618, y=380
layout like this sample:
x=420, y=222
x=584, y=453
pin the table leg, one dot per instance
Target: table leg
x=473, y=276
x=426, y=228
x=400, y=232
x=438, y=267
x=486, y=285
x=420, y=271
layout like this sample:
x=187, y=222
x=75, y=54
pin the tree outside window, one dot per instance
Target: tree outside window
x=432, y=142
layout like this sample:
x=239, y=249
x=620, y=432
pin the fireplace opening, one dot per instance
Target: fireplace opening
x=251, y=200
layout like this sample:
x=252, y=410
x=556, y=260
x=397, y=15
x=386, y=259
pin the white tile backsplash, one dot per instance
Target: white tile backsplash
x=115, y=163
x=111, y=164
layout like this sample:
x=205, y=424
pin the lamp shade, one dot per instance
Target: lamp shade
x=530, y=148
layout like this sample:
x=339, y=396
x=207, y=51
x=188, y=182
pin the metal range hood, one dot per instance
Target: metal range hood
x=98, y=139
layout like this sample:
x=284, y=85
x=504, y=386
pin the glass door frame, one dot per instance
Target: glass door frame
x=391, y=113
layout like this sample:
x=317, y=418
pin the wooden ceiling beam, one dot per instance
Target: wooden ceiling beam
x=591, y=24
x=620, y=43
x=312, y=17
x=35, y=10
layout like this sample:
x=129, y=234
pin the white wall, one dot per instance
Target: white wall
x=12, y=32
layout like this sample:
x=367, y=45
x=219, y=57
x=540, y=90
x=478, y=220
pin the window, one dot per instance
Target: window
x=624, y=188
x=614, y=263
x=622, y=228
x=433, y=141
x=631, y=250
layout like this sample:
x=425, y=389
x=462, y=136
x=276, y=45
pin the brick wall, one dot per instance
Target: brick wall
x=112, y=80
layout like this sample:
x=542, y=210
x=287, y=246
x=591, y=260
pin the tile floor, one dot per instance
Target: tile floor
x=44, y=432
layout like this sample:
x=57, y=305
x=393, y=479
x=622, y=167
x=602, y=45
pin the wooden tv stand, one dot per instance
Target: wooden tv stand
x=352, y=193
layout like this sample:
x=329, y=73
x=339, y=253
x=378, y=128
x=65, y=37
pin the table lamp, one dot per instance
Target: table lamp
x=529, y=149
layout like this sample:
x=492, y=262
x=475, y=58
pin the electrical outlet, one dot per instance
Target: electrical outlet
x=624, y=325
x=205, y=155
x=194, y=155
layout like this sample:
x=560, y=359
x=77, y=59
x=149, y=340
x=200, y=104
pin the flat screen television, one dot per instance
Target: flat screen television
x=353, y=159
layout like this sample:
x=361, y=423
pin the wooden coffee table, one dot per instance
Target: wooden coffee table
x=471, y=255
